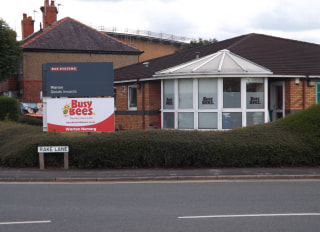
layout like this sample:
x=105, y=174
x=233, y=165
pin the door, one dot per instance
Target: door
x=277, y=100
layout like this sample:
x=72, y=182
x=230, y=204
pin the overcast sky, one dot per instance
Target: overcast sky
x=206, y=19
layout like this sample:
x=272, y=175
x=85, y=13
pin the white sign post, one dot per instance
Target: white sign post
x=53, y=149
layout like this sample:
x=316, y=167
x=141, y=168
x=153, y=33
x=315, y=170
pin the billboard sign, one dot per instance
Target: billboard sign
x=80, y=114
x=90, y=79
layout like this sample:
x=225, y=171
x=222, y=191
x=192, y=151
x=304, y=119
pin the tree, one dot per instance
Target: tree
x=195, y=43
x=10, y=51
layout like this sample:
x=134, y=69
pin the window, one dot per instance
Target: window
x=186, y=121
x=115, y=97
x=168, y=94
x=231, y=120
x=208, y=121
x=318, y=93
x=255, y=93
x=231, y=93
x=186, y=94
x=168, y=120
x=208, y=98
x=132, y=99
x=254, y=118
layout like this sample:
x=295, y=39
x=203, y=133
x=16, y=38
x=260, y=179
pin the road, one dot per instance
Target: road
x=156, y=207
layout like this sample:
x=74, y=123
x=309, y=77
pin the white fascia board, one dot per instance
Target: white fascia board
x=206, y=75
x=125, y=81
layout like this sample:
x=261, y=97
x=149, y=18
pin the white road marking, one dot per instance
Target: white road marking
x=24, y=222
x=250, y=215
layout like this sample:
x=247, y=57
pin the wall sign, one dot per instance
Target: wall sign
x=80, y=114
x=77, y=79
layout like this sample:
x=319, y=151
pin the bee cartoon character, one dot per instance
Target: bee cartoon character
x=66, y=108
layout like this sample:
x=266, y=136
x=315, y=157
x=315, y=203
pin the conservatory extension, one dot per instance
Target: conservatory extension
x=217, y=92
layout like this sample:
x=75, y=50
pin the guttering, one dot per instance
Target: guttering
x=126, y=81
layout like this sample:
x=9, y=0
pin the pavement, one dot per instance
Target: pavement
x=123, y=175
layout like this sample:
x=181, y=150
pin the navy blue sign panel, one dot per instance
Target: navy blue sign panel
x=77, y=79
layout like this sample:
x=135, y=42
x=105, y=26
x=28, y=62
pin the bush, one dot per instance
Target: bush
x=293, y=141
x=9, y=109
x=30, y=120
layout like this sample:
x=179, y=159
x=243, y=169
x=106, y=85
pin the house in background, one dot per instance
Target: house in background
x=246, y=80
x=153, y=44
x=66, y=40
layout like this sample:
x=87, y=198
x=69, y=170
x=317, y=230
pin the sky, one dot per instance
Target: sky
x=205, y=19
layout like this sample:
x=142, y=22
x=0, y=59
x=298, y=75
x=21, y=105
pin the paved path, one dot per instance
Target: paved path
x=61, y=175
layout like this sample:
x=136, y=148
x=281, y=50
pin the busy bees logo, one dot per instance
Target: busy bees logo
x=78, y=108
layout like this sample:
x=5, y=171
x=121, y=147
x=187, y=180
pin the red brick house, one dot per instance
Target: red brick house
x=237, y=82
x=66, y=40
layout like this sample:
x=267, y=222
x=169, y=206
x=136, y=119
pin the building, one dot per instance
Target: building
x=242, y=81
x=65, y=40
x=153, y=44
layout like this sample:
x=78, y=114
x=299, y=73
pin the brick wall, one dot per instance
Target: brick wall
x=140, y=118
x=31, y=90
x=9, y=85
x=151, y=49
x=299, y=96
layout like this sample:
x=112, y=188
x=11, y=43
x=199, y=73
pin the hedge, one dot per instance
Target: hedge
x=9, y=109
x=289, y=142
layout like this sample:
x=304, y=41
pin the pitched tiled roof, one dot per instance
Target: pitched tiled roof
x=281, y=56
x=70, y=35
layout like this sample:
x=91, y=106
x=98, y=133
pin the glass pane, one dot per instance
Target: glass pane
x=168, y=120
x=132, y=97
x=231, y=93
x=208, y=98
x=254, y=118
x=231, y=120
x=115, y=97
x=185, y=93
x=255, y=93
x=186, y=121
x=168, y=94
x=208, y=121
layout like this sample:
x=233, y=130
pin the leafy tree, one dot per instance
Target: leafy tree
x=10, y=51
x=195, y=43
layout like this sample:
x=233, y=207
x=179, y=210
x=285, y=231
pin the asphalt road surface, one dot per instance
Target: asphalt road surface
x=157, y=207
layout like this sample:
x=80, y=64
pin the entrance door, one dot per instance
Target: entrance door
x=277, y=100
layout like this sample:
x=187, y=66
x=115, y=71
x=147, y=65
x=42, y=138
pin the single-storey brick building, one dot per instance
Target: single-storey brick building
x=237, y=82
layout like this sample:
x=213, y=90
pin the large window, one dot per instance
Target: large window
x=186, y=121
x=231, y=92
x=132, y=99
x=168, y=94
x=168, y=120
x=231, y=120
x=217, y=103
x=185, y=93
x=208, y=97
x=254, y=118
x=255, y=93
x=208, y=120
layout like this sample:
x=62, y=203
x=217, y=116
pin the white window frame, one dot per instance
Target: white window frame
x=131, y=87
x=219, y=110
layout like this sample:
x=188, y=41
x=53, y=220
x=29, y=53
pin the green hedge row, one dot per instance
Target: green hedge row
x=9, y=109
x=250, y=147
x=293, y=141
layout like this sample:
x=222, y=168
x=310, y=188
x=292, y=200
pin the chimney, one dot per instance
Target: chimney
x=27, y=26
x=49, y=13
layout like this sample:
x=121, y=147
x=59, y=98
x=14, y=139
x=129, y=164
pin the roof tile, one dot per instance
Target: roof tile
x=68, y=34
x=281, y=56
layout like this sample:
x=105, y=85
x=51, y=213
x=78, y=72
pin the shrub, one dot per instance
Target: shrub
x=9, y=109
x=293, y=141
x=30, y=120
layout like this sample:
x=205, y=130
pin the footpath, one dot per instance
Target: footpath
x=124, y=175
